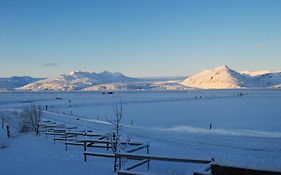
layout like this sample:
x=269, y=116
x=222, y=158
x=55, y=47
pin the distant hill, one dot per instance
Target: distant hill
x=77, y=80
x=15, y=82
x=223, y=77
x=218, y=78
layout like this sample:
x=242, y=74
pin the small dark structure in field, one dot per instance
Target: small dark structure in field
x=225, y=170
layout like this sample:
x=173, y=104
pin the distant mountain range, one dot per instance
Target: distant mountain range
x=91, y=81
x=221, y=77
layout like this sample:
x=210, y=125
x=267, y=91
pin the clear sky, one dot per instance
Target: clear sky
x=45, y=38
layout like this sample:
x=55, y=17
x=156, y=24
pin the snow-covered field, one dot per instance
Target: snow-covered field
x=246, y=128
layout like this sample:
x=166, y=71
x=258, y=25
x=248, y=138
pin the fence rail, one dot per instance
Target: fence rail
x=143, y=157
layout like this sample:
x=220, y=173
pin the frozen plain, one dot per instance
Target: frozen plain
x=246, y=128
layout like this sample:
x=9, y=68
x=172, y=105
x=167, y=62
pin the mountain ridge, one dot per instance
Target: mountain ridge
x=221, y=77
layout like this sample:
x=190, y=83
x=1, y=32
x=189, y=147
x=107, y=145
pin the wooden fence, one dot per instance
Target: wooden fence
x=87, y=139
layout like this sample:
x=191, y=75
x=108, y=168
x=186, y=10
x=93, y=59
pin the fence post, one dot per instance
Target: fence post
x=37, y=129
x=120, y=163
x=85, y=145
x=115, y=162
x=85, y=157
x=66, y=138
x=54, y=136
x=8, y=131
x=2, y=122
x=46, y=133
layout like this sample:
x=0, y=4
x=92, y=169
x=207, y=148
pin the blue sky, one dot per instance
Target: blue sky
x=45, y=38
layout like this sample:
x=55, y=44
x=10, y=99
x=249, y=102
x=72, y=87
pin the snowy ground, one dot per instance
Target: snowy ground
x=246, y=128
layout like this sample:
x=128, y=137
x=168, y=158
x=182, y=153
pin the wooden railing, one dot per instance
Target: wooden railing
x=88, y=139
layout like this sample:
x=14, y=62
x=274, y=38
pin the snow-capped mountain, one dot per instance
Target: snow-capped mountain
x=15, y=82
x=76, y=80
x=223, y=77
